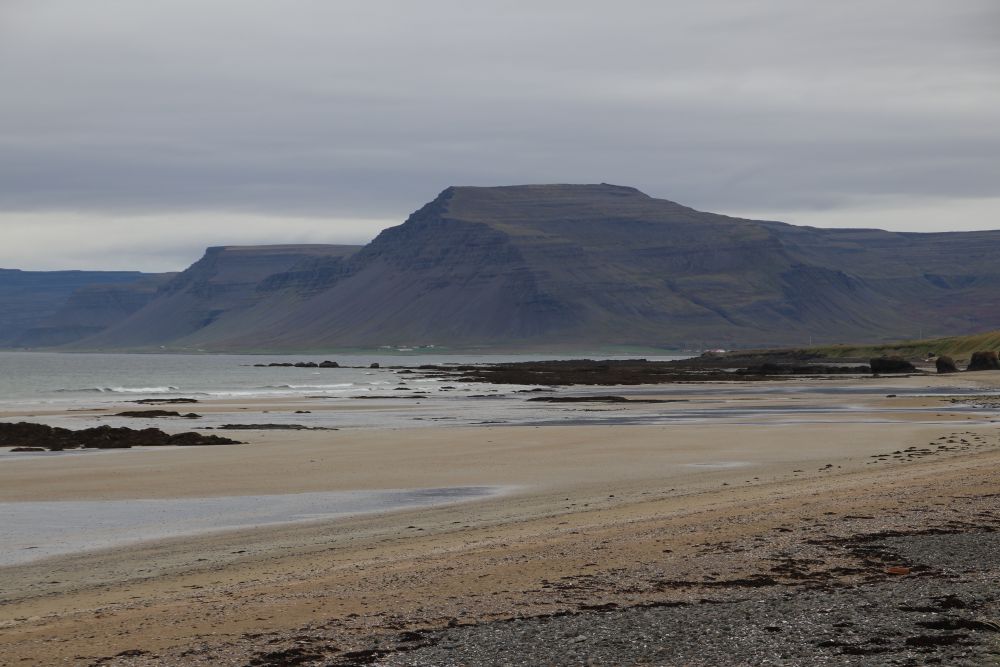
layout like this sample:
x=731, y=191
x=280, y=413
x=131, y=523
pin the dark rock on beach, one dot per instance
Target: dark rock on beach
x=165, y=401
x=945, y=364
x=984, y=360
x=54, y=438
x=892, y=365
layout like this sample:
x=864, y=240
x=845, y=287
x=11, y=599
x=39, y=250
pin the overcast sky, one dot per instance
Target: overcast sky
x=135, y=133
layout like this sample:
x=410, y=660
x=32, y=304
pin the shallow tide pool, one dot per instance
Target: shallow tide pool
x=33, y=530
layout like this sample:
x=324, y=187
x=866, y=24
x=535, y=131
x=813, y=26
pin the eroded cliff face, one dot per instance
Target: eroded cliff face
x=575, y=265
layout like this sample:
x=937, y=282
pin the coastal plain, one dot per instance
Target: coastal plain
x=722, y=495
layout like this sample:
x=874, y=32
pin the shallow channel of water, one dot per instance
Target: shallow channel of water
x=33, y=530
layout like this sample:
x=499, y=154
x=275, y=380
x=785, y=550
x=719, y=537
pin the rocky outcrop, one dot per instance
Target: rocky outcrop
x=882, y=365
x=984, y=360
x=54, y=438
x=945, y=364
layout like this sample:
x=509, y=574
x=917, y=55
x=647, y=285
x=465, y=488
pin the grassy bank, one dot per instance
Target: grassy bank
x=959, y=347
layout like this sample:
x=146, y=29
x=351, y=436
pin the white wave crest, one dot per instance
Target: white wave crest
x=119, y=390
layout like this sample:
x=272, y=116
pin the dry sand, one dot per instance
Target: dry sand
x=607, y=502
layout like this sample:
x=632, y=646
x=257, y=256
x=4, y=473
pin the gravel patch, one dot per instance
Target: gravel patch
x=944, y=613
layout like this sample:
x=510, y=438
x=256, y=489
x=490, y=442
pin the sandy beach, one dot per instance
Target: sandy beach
x=597, y=508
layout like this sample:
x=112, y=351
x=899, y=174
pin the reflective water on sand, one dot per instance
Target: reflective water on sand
x=33, y=530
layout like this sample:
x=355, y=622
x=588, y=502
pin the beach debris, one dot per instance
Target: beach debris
x=897, y=570
x=164, y=401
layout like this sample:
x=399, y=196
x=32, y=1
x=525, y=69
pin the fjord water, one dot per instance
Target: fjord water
x=52, y=377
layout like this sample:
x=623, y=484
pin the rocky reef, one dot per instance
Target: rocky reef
x=630, y=372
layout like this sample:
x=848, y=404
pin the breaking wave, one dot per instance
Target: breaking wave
x=119, y=390
x=310, y=387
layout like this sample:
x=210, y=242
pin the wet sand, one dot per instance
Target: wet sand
x=597, y=513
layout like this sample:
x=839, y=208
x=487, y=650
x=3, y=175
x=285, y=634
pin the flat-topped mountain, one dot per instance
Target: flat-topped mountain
x=550, y=266
x=29, y=298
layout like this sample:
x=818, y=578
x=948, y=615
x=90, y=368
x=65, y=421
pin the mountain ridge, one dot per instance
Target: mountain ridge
x=575, y=266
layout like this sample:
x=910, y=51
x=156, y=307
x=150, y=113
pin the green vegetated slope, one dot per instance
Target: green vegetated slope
x=569, y=267
x=958, y=347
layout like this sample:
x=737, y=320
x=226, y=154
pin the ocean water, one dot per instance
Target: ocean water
x=62, y=388
x=57, y=378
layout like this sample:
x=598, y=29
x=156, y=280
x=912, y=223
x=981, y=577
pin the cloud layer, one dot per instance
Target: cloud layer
x=344, y=116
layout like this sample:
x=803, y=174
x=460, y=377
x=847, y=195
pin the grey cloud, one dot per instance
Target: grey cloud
x=368, y=109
